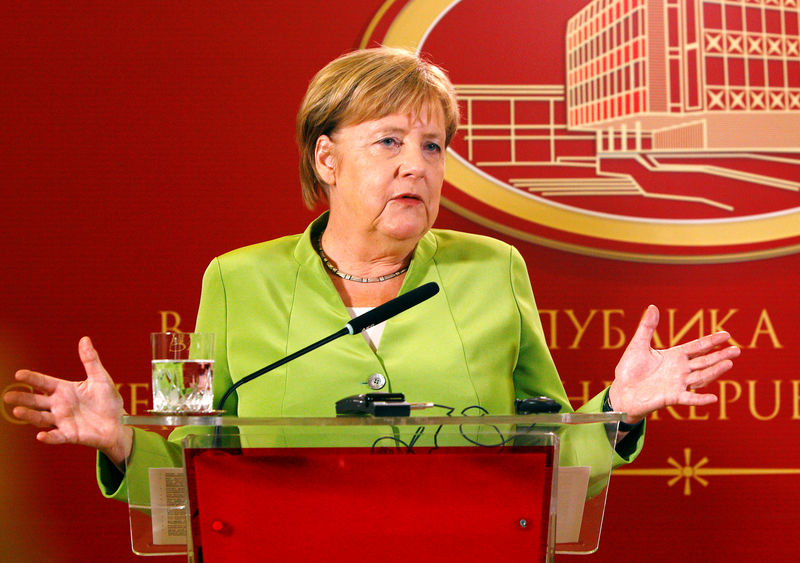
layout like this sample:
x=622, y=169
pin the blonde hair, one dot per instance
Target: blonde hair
x=361, y=86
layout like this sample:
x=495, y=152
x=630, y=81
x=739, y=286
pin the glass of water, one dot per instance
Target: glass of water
x=183, y=371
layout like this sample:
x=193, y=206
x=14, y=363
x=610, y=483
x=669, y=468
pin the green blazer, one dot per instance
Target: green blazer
x=478, y=342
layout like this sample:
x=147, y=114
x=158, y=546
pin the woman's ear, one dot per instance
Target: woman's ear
x=325, y=160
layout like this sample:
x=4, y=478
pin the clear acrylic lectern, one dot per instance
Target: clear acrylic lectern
x=390, y=489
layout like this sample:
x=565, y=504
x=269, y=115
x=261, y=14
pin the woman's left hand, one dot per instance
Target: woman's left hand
x=646, y=380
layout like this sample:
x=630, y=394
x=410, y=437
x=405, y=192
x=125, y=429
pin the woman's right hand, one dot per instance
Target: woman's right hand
x=77, y=412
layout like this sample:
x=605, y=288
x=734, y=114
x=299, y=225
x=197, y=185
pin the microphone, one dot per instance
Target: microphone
x=373, y=317
x=393, y=307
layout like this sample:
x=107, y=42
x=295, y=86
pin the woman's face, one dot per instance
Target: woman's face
x=386, y=174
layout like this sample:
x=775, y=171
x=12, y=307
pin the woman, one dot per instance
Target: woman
x=372, y=131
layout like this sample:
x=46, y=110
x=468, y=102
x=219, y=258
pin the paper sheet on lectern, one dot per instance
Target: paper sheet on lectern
x=168, y=502
x=573, y=484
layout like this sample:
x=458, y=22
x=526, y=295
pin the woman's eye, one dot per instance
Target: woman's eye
x=433, y=147
x=389, y=142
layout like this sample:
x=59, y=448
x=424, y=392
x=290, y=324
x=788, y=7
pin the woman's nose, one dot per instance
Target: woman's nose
x=413, y=162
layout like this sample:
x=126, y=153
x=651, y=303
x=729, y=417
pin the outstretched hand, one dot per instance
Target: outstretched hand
x=646, y=380
x=76, y=412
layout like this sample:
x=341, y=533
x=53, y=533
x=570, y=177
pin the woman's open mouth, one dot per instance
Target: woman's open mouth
x=408, y=198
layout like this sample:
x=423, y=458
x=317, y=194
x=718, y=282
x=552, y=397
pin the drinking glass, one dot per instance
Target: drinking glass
x=183, y=371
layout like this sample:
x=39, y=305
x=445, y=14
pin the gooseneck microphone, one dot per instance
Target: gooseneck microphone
x=373, y=317
x=392, y=307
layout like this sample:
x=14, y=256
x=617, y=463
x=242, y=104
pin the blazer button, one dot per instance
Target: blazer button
x=376, y=381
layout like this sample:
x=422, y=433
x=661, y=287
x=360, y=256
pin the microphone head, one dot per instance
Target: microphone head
x=421, y=293
x=393, y=307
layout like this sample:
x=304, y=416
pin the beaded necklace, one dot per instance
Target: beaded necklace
x=350, y=277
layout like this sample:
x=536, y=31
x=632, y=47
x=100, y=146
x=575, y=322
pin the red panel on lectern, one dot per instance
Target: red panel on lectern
x=454, y=504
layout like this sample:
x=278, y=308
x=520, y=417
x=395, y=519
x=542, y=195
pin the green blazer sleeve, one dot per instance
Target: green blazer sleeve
x=535, y=374
x=212, y=317
x=150, y=449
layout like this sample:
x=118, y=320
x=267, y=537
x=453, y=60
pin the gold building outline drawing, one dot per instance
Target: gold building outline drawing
x=668, y=84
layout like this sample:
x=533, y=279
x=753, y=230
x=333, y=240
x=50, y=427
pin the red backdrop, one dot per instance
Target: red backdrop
x=139, y=140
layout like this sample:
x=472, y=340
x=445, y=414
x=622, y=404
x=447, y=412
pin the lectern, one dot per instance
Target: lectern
x=444, y=488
